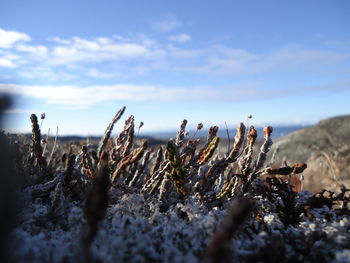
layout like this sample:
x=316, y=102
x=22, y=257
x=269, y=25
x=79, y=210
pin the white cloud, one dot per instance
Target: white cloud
x=295, y=56
x=95, y=73
x=77, y=50
x=216, y=60
x=167, y=25
x=76, y=97
x=229, y=61
x=82, y=97
x=185, y=54
x=101, y=49
x=8, y=38
x=181, y=38
x=116, y=56
x=37, y=51
x=6, y=63
x=59, y=40
x=47, y=74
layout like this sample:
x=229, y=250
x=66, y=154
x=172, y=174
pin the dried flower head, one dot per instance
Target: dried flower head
x=268, y=131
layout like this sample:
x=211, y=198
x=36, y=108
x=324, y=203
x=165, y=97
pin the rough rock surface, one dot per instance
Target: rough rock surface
x=325, y=147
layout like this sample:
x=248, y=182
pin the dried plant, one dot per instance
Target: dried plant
x=158, y=160
x=213, y=130
x=45, y=142
x=96, y=201
x=287, y=170
x=137, y=177
x=199, y=127
x=181, y=134
x=37, y=150
x=128, y=160
x=87, y=162
x=53, y=148
x=129, y=136
x=264, y=148
x=209, y=151
x=70, y=168
x=163, y=202
x=123, y=143
x=139, y=128
x=189, y=150
x=57, y=202
x=108, y=131
x=177, y=174
x=329, y=198
x=248, y=151
x=239, y=138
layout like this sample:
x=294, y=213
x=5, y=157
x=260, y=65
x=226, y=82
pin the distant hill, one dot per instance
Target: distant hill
x=325, y=147
x=278, y=131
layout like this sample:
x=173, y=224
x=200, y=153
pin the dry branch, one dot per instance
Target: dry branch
x=108, y=131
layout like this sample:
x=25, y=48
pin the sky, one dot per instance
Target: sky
x=283, y=62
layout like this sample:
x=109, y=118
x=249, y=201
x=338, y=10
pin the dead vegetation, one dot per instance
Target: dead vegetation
x=171, y=181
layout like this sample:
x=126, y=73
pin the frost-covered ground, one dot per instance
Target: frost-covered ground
x=135, y=230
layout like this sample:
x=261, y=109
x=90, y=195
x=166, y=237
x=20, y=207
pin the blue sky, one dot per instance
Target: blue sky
x=284, y=62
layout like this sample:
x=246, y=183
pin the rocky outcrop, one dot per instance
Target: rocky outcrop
x=325, y=148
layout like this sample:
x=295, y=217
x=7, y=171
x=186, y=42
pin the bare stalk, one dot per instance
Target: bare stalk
x=53, y=147
x=108, y=131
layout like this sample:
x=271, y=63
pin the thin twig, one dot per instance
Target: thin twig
x=228, y=138
x=46, y=141
x=199, y=127
x=53, y=147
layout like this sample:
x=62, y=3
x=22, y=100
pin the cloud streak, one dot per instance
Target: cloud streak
x=230, y=61
x=81, y=50
x=168, y=24
x=181, y=38
x=84, y=97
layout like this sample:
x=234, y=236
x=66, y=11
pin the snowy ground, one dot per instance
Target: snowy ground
x=135, y=230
